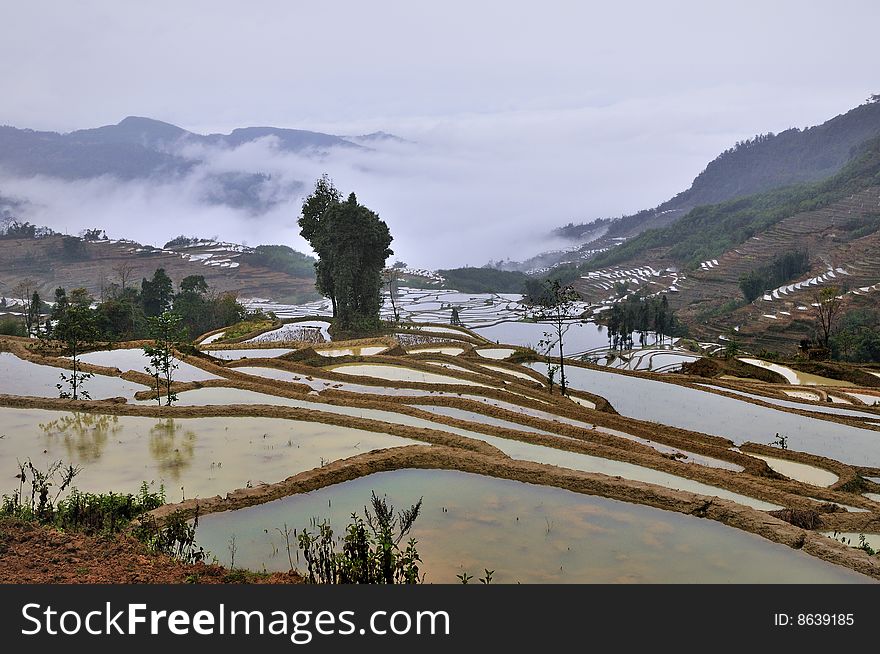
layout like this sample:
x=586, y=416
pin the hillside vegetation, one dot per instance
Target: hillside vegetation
x=47, y=260
x=708, y=231
x=765, y=162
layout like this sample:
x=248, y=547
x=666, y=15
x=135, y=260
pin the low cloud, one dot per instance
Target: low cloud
x=466, y=188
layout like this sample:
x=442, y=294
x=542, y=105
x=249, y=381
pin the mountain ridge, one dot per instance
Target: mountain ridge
x=135, y=147
x=762, y=163
x=140, y=148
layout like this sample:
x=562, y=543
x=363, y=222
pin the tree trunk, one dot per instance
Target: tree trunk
x=562, y=385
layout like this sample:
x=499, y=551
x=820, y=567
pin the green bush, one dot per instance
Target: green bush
x=12, y=327
x=281, y=258
x=371, y=552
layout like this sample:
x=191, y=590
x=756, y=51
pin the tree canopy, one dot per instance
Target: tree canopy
x=352, y=244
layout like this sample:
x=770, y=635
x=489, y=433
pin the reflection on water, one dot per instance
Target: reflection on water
x=398, y=373
x=796, y=376
x=172, y=446
x=84, y=434
x=206, y=456
x=740, y=421
x=20, y=377
x=526, y=533
x=587, y=463
x=362, y=351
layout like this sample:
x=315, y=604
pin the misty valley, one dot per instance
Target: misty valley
x=689, y=393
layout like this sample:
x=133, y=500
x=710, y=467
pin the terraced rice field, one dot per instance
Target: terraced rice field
x=639, y=460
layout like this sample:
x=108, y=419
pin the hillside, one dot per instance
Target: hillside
x=763, y=163
x=843, y=242
x=71, y=262
x=700, y=259
x=710, y=230
x=766, y=162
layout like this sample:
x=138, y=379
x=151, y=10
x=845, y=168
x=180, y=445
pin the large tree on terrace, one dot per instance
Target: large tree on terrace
x=352, y=244
x=315, y=230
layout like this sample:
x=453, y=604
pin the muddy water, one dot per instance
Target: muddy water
x=224, y=396
x=513, y=373
x=205, y=456
x=213, y=337
x=870, y=400
x=580, y=337
x=853, y=539
x=740, y=421
x=253, y=353
x=431, y=329
x=516, y=449
x=20, y=377
x=451, y=351
x=526, y=533
x=135, y=359
x=495, y=352
x=832, y=410
x=398, y=373
x=577, y=461
x=796, y=376
x=473, y=416
x=552, y=417
x=582, y=402
x=364, y=351
x=799, y=471
x=320, y=384
x=804, y=395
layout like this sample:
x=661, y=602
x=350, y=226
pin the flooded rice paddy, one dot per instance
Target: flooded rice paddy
x=451, y=351
x=135, y=359
x=738, y=420
x=195, y=457
x=398, y=373
x=364, y=351
x=832, y=410
x=27, y=378
x=526, y=533
x=253, y=353
x=799, y=471
x=587, y=463
x=495, y=353
x=302, y=330
x=795, y=376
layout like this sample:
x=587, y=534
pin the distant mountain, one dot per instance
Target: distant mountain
x=377, y=137
x=84, y=155
x=293, y=140
x=156, y=135
x=134, y=130
x=765, y=162
x=143, y=148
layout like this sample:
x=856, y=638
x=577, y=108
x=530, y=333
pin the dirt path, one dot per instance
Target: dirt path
x=30, y=554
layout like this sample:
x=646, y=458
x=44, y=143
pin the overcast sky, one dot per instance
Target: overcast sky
x=527, y=115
